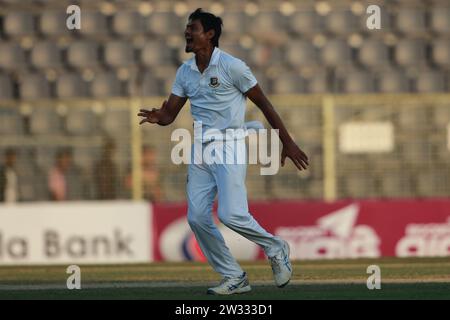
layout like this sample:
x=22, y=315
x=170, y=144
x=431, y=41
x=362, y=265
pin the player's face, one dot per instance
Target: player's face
x=195, y=36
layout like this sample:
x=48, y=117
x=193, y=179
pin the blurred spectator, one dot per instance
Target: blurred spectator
x=105, y=172
x=9, y=181
x=65, y=181
x=151, y=187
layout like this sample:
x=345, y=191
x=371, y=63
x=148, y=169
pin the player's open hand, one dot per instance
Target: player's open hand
x=298, y=157
x=151, y=116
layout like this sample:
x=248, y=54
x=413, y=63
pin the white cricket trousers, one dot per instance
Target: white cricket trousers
x=228, y=182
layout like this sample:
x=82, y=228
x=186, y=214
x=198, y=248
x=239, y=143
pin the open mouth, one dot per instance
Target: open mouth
x=189, y=40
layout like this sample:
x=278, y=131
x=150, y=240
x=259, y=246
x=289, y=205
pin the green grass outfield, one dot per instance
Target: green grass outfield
x=412, y=278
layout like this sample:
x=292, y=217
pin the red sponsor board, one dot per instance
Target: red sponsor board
x=318, y=230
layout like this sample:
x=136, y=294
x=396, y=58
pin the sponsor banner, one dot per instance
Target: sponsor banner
x=75, y=233
x=318, y=230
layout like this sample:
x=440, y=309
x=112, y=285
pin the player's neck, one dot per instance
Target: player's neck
x=203, y=57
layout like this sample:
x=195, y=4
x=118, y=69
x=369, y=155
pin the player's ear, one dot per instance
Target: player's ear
x=210, y=34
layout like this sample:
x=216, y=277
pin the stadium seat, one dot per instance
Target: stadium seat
x=46, y=54
x=12, y=56
x=358, y=82
x=441, y=52
x=233, y=23
x=235, y=50
x=411, y=21
x=318, y=83
x=45, y=121
x=53, y=23
x=341, y=22
x=6, y=87
x=393, y=81
x=410, y=52
x=80, y=121
x=155, y=53
x=19, y=24
x=300, y=53
x=165, y=85
x=106, y=85
x=430, y=81
x=263, y=81
x=83, y=54
x=305, y=23
x=265, y=24
x=182, y=56
x=336, y=52
x=374, y=53
x=34, y=86
x=70, y=85
x=288, y=83
x=164, y=23
x=440, y=19
x=147, y=85
x=264, y=55
x=10, y=121
x=128, y=23
x=93, y=24
x=119, y=54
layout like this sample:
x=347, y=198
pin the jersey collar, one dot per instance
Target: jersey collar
x=213, y=62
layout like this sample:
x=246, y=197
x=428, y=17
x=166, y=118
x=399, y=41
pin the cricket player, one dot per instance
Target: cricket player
x=217, y=85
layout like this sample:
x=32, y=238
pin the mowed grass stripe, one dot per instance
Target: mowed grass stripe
x=391, y=269
x=291, y=292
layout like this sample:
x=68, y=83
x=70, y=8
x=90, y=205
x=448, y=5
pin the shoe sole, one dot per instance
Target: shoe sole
x=284, y=284
x=237, y=291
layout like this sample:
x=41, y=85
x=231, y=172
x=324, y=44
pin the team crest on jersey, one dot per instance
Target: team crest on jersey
x=214, y=82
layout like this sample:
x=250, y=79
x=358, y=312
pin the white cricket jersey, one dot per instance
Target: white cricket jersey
x=216, y=95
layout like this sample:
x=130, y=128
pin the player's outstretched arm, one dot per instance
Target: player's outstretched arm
x=290, y=148
x=166, y=114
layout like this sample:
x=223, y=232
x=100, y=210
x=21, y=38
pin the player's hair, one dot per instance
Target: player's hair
x=209, y=21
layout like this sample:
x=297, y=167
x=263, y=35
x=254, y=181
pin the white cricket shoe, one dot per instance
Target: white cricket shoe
x=231, y=286
x=281, y=266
